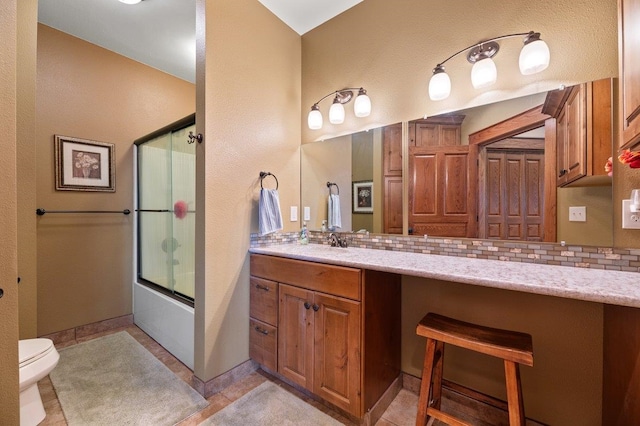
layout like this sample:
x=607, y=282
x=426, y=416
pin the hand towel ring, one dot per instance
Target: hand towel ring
x=330, y=184
x=264, y=175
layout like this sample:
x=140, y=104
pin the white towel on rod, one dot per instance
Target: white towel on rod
x=333, y=210
x=269, y=216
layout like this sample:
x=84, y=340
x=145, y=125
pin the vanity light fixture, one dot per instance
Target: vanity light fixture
x=361, y=107
x=130, y=1
x=534, y=57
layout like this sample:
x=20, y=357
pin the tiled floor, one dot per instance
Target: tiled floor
x=401, y=412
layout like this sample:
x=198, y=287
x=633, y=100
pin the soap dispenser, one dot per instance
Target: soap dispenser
x=304, y=234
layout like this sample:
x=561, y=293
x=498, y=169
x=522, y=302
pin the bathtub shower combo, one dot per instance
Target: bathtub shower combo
x=165, y=237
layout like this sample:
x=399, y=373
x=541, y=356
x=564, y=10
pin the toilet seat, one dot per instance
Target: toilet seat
x=31, y=350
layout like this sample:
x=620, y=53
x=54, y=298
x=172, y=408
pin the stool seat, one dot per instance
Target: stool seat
x=510, y=345
x=513, y=347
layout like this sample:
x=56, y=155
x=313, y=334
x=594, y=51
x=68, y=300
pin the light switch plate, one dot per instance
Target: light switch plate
x=630, y=220
x=578, y=214
x=294, y=214
x=307, y=213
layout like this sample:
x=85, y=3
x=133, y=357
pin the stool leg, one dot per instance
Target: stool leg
x=514, y=394
x=437, y=375
x=425, y=384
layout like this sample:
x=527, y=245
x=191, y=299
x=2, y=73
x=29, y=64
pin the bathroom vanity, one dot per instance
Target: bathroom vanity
x=345, y=347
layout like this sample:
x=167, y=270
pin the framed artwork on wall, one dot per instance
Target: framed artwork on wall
x=363, y=196
x=84, y=165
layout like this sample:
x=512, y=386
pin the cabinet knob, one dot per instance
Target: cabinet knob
x=307, y=305
x=563, y=172
x=260, y=330
x=316, y=307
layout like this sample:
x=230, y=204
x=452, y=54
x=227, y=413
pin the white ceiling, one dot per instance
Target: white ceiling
x=161, y=33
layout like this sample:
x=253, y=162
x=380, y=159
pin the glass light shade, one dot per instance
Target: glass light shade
x=314, y=120
x=483, y=73
x=362, y=106
x=336, y=113
x=534, y=57
x=439, y=86
x=130, y=1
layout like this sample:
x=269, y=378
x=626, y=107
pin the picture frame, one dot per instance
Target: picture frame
x=363, y=197
x=84, y=165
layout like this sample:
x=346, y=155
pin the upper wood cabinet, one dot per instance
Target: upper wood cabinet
x=442, y=130
x=583, y=132
x=629, y=67
x=392, y=169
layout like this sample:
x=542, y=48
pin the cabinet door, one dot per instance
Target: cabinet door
x=392, y=145
x=629, y=58
x=576, y=154
x=295, y=340
x=561, y=148
x=392, y=218
x=337, y=352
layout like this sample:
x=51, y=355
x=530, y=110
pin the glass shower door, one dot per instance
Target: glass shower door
x=166, y=213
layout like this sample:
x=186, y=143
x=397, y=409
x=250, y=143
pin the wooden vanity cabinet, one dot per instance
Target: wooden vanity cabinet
x=629, y=67
x=338, y=329
x=583, y=132
x=263, y=320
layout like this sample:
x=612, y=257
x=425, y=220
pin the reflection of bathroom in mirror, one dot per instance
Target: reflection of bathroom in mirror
x=498, y=171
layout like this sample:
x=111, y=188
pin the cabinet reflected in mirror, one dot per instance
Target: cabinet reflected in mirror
x=492, y=172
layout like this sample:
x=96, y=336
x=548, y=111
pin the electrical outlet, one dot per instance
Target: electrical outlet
x=630, y=220
x=294, y=214
x=578, y=214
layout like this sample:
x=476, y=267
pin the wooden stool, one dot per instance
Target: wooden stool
x=513, y=347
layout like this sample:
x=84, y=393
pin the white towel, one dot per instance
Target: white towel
x=269, y=216
x=333, y=210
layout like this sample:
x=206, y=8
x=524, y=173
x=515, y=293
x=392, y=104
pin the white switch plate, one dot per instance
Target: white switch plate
x=578, y=214
x=307, y=213
x=294, y=214
x=630, y=220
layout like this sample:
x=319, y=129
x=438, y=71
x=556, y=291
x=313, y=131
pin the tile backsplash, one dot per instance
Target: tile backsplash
x=544, y=253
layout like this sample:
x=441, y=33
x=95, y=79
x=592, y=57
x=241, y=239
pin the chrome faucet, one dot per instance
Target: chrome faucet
x=336, y=241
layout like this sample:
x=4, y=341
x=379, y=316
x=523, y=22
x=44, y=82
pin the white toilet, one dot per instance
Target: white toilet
x=37, y=358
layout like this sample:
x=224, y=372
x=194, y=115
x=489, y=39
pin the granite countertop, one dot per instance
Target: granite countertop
x=593, y=285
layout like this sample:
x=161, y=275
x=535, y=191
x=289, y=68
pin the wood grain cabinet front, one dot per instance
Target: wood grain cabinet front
x=327, y=342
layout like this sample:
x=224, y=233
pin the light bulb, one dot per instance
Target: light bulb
x=314, y=120
x=439, y=85
x=336, y=113
x=534, y=57
x=483, y=73
x=362, y=104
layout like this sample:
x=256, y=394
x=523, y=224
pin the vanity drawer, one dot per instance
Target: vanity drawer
x=331, y=279
x=263, y=300
x=263, y=344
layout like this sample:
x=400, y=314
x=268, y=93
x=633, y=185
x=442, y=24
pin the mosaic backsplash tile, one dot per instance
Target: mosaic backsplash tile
x=543, y=253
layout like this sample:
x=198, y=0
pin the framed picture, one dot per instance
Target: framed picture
x=363, y=196
x=84, y=165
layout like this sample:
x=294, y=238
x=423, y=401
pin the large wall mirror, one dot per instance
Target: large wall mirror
x=477, y=172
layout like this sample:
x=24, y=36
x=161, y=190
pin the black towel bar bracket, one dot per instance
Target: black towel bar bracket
x=330, y=184
x=264, y=175
x=41, y=212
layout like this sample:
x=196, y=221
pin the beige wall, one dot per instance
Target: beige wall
x=27, y=261
x=85, y=262
x=248, y=86
x=9, y=20
x=390, y=49
x=598, y=229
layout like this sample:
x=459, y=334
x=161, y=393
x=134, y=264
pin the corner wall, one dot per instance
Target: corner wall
x=248, y=84
x=85, y=262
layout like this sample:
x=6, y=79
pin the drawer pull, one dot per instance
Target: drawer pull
x=316, y=307
x=260, y=330
x=262, y=287
x=307, y=305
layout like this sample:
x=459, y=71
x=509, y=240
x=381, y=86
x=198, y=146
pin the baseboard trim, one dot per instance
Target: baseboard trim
x=215, y=385
x=81, y=331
